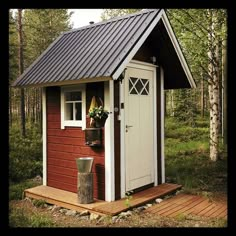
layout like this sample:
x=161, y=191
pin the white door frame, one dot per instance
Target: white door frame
x=44, y=107
x=145, y=66
x=109, y=142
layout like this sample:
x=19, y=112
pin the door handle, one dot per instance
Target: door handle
x=128, y=126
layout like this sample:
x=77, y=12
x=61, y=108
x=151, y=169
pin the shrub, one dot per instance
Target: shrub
x=16, y=190
x=25, y=159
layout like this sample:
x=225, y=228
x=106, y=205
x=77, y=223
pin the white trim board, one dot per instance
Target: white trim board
x=44, y=106
x=109, y=142
x=122, y=142
x=162, y=126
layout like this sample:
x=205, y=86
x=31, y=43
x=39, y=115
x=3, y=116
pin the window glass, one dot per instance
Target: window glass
x=78, y=109
x=69, y=111
x=73, y=96
x=138, y=86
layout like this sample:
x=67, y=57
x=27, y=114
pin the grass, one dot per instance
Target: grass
x=16, y=190
x=20, y=217
x=187, y=159
x=187, y=163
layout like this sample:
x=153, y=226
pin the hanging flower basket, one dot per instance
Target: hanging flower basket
x=97, y=114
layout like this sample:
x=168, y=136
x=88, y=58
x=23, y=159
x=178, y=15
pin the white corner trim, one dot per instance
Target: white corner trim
x=122, y=141
x=109, y=142
x=62, y=109
x=162, y=127
x=177, y=49
x=155, y=127
x=137, y=46
x=44, y=106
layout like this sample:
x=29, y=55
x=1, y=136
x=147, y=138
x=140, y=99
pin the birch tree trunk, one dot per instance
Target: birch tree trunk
x=213, y=87
x=224, y=96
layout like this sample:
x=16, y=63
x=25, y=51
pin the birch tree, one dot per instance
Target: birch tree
x=213, y=84
x=201, y=36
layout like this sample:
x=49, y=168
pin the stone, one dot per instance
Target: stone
x=94, y=216
x=38, y=179
x=84, y=217
x=63, y=210
x=84, y=213
x=114, y=218
x=125, y=214
x=158, y=200
x=141, y=208
x=102, y=219
x=55, y=208
x=71, y=213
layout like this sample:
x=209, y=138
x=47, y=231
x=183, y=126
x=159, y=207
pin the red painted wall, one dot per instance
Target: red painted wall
x=64, y=145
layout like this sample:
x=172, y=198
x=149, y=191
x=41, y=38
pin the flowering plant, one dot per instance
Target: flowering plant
x=98, y=113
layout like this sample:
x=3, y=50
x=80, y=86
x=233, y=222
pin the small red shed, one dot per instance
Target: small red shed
x=126, y=62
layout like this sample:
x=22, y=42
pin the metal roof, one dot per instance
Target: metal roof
x=92, y=51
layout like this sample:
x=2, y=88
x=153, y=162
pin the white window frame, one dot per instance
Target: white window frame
x=72, y=123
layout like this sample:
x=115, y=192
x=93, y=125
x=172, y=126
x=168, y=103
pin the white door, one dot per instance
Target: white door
x=139, y=127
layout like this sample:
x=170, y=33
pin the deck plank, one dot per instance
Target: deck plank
x=189, y=204
x=139, y=198
x=70, y=200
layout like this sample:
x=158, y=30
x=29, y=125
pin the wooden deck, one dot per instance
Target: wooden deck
x=190, y=204
x=70, y=200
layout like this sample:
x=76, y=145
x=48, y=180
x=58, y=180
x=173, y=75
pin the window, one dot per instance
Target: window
x=138, y=86
x=73, y=106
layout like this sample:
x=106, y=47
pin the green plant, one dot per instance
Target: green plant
x=128, y=197
x=39, y=202
x=98, y=113
x=18, y=217
x=25, y=157
x=181, y=217
x=16, y=189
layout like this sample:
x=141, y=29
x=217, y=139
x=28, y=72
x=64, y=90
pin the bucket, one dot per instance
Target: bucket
x=84, y=164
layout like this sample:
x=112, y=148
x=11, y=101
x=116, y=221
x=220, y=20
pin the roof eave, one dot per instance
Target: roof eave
x=178, y=50
x=66, y=82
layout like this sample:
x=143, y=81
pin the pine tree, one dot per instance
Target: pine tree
x=39, y=29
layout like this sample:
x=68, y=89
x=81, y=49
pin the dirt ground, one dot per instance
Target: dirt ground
x=24, y=213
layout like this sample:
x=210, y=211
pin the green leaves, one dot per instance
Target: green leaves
x=98, y=113
x=111, y=13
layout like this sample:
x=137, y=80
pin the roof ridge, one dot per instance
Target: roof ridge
x=143, y=11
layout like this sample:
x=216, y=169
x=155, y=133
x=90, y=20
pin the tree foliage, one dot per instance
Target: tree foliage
x=40, y=28
x=111, y=13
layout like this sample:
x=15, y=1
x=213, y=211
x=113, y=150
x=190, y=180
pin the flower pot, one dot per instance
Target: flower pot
x=100, y=123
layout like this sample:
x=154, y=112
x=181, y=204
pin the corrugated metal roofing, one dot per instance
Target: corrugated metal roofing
x=88, y=52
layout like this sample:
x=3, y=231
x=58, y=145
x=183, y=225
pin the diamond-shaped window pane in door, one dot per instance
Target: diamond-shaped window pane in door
x=138, y=86
x=132, y=82
x=145, y=90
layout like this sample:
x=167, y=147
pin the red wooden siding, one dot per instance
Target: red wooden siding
x=64, y=145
